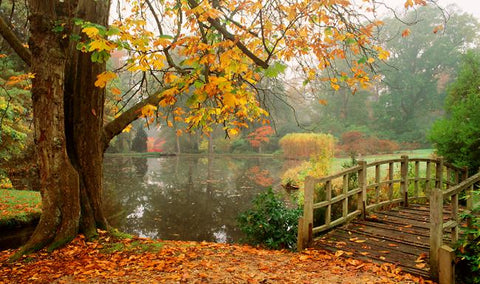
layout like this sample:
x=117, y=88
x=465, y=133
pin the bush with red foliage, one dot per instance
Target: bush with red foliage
x=260, y=136
x=355, y=143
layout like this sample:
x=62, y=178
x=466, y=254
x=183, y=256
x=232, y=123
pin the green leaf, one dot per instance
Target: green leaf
x=198, y=84
x=274, y=70
x=350, y=41
x=112, y=31
x=58, y=29
x=75, y=37
x=165, y=36
x=362, y=60
x=94, y=57
x=191, y=100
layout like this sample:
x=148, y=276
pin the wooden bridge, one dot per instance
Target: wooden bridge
x=403, y=211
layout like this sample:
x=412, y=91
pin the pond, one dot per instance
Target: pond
x=194, y=198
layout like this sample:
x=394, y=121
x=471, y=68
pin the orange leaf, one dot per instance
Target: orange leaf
x=406, y=32
x=116, y=91
x=437, y=29
x=420, y=265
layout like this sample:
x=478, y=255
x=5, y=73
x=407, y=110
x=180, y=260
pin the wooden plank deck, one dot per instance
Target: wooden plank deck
x=399, y=236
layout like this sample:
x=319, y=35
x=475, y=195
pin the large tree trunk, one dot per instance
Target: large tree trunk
x=84, y=120
x=58, y=178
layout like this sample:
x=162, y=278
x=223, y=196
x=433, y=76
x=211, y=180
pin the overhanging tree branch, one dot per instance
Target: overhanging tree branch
x=15, y=42
x=116, y=126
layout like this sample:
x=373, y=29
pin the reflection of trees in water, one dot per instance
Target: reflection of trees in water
x=190, y=198
x=141, y=166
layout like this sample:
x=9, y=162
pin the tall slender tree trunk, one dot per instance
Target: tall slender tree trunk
x=58, y=178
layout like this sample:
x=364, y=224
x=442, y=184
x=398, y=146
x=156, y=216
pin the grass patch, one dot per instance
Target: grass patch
x=120, y=235
x=136, y=246
x=19, y=207
x=420, y=153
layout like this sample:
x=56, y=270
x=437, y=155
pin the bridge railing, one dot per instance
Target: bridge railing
x=334, y=200
x=441, y=256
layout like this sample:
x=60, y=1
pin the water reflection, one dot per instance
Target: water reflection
x=184, y=198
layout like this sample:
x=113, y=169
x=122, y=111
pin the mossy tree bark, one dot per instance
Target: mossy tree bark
x=70, y=137
x=59, y=183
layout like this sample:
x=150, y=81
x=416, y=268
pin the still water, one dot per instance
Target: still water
x=184, y=197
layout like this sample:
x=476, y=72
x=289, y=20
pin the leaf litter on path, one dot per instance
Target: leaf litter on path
x=139, y=260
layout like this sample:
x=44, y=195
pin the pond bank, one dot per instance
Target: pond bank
x=19, y=207
x=19, y=214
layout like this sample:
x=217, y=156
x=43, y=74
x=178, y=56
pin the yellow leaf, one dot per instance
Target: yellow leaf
x=148, y=110
x=127, y=129
x=408, y=3
x=90, y=31
x=233, y=132
x=383, y=55
x=336, y=87
x=104, y=78
x=229, y=100
x=100, y=45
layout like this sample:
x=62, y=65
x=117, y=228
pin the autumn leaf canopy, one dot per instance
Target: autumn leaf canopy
x=211, y=55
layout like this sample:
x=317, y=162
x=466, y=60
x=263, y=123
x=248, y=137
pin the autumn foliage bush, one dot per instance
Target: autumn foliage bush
x=298, y=145
x=355, y=143
x=318, y=147
x=260, y=136
x=270, y=222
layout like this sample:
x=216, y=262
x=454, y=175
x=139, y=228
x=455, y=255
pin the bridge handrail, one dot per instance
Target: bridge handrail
x=364, y=202
x=350, y=170
x=438, y=225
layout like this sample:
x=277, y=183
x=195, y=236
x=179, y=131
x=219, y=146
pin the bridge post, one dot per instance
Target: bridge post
x=307, y=222
x=446, y=263
x=404, y=180
x=362, y=185
x=436, y=229
x=439, y=174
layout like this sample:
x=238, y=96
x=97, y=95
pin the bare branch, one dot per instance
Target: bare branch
x=257, y=60
x=15, y=42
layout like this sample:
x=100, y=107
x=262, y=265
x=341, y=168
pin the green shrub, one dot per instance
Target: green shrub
x=468, y=250
x=270, y=222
